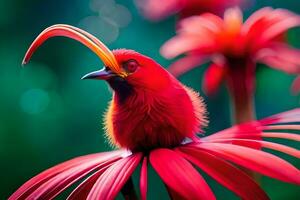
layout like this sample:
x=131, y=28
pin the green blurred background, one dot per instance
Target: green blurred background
x=48, y=115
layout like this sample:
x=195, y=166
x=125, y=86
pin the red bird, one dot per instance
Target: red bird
x=140, y=95
x=142, y=90
x=151, y=114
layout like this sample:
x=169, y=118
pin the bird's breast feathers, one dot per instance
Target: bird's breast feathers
x=147, y=121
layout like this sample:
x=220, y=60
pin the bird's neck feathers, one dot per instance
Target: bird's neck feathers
x=123, y=90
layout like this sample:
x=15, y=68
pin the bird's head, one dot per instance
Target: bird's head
x=123, y=69
x=135, y=70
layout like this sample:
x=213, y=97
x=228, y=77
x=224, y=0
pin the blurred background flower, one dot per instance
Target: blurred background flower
x=64, y=120
x=235, y=47
x=157, y=10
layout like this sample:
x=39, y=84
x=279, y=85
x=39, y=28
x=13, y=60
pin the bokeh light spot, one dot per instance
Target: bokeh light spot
x=96, y=5
x=106, y=25
x=103, y=28
x=117, y=13
x=34, y=101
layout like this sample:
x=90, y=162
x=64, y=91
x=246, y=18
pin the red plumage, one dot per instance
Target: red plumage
x=160, y=112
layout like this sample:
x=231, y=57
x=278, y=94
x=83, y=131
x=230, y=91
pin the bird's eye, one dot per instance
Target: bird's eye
x=130, y=66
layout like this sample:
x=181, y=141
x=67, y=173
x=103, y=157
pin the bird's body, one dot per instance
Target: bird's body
x=152, y=109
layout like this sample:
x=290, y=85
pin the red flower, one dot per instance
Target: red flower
x=154, y=139
x=234, y=47
x=157, y=10
x=106, y=173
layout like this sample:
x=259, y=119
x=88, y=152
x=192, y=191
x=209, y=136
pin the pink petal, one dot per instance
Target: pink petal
x=290, y=116
x=289, y=136
x=112, y=180
x=225, y=173
x=252, y=35
x=255, y=18
x=281, y=56
x=228, y=134
x=82, y=190
x=251, y=130
x=55, y=186
x=213, y=78
x=256, y=160
x=282, y=127
x=179, y=175
x=186, y=64
x=59, y=183
x=278, y=63
x=182, y=44
x=144, y=179
x=284, y=117
x=265, y=144
x=51, y=174
x=156, y=10
x=207, y=22
x=288, y=20
x=269, y=24
x=285, y=51
x=233, y=19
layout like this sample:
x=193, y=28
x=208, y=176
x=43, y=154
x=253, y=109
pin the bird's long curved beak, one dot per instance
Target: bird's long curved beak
x=83, y=37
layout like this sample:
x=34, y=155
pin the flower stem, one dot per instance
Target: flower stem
x=241, y=88
x=242, y=108
x=240, y=81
